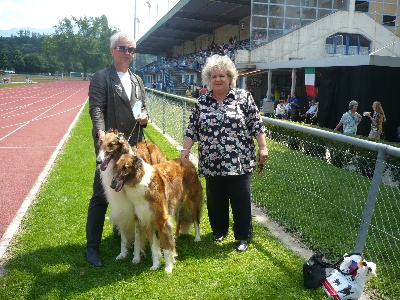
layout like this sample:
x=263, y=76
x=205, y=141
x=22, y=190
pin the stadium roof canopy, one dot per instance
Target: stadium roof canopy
x=189, y=19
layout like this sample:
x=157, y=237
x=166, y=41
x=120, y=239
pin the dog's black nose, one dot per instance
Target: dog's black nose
x=113, y=184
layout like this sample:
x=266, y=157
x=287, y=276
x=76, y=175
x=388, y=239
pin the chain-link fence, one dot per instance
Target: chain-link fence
x=320, y=188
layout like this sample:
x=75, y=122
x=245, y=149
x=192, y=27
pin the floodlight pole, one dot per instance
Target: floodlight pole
x=134, y=23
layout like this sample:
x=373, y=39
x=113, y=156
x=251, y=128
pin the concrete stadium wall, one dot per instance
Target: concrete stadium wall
x=224, y=33
x=189, y=47
x=309, y=41
x=202, y=41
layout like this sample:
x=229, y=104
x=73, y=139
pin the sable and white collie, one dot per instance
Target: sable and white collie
x=158, y=193
x=122, y=215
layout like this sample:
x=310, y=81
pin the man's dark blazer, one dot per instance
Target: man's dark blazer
x=109, y=105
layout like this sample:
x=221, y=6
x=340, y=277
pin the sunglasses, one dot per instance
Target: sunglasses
x=123, y=49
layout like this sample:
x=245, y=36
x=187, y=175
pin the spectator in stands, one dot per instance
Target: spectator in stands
x=196, y=92
x=350, y=119
x=377, y=120
x=280, y=111
x=287, y=106
x=203, y=90
x=109, y=91
x=310, y=112
x=314, y=118
x=188, y=92
x=277, y=95
x=294, y=107
x=224, y=122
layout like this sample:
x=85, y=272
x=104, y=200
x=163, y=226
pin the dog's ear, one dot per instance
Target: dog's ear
x=137, y=162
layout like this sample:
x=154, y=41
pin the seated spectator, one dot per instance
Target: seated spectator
x=280, y=111
x=310, y=112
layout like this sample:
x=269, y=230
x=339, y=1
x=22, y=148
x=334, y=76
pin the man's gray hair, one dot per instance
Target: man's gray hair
x=121, y=35
x=353, y=103
x=219, y=63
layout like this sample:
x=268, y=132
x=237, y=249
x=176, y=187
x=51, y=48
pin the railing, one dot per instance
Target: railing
x=329, y=198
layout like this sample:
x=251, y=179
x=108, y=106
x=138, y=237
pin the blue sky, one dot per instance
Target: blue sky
x=41, y=14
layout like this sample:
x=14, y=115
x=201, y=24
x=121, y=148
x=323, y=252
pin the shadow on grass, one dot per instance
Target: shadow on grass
x=63, y=269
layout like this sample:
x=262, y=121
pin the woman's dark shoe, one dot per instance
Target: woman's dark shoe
x=93, y=257
x=241, y=245
x=218, y=238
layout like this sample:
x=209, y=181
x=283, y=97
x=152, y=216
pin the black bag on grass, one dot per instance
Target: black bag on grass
x=314, y=271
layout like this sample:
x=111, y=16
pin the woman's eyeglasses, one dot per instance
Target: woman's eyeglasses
x=123, y=49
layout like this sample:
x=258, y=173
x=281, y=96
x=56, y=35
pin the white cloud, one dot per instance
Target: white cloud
x=47, y=13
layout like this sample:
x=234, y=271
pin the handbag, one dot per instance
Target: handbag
x=314, y=271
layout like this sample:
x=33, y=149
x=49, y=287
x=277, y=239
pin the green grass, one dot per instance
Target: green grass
x=322, y=204
x=46, y=260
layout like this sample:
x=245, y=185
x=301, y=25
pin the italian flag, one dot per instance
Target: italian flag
x=309, y=80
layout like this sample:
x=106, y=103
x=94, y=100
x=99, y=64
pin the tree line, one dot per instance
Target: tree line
x=77, y=45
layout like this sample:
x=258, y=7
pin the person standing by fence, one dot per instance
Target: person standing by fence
x=377, y=120
x=294, y=107
x=224, y=122
x=350, y=119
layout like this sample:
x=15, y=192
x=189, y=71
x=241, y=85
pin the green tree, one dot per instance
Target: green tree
x=18, y=61
x=3, y=60
x=34, y=62
x=81, y=44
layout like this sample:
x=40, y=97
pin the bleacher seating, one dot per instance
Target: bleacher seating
x=192, y=61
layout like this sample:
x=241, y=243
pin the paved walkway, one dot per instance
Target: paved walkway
x=35, y=120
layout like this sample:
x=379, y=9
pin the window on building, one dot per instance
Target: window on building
x=389, y=20
x=347, y=44
x=362, y=6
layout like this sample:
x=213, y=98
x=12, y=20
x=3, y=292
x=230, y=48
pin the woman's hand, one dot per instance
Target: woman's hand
x=184, y=154
x=262, y=156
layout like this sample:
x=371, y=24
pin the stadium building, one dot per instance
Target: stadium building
x=349, y=49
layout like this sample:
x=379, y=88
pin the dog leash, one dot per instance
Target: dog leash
x=137, y=140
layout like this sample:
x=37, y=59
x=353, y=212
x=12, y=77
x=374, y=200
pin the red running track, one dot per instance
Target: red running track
x=26, y=112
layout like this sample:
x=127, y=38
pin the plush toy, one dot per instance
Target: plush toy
x=348, y=281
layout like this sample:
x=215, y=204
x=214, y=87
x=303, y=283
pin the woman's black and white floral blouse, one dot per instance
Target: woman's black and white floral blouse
x=225, y=133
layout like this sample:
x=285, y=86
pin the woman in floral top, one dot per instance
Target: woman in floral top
x=350, y=119
x=223, y=123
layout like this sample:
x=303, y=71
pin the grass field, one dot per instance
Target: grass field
x=46, y=260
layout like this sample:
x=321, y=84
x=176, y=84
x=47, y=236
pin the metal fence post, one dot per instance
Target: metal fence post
x=164, y=114
x=183, y=120
x=371, y=200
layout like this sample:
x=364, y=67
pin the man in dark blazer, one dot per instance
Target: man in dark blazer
x=116, y=101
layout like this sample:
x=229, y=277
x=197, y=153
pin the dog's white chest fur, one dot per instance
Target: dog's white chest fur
x=137, y=196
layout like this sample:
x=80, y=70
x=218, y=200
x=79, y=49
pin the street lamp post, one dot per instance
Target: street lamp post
x=138, y=21
x=134, y=23
x=149, y=6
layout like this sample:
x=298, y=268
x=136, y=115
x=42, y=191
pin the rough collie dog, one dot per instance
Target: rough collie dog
x=122, y=215
x=158, y=193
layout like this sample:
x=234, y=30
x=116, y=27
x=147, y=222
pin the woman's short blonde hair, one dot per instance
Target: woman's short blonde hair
x=219, y=63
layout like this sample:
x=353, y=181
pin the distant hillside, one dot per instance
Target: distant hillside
x=14, y=31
